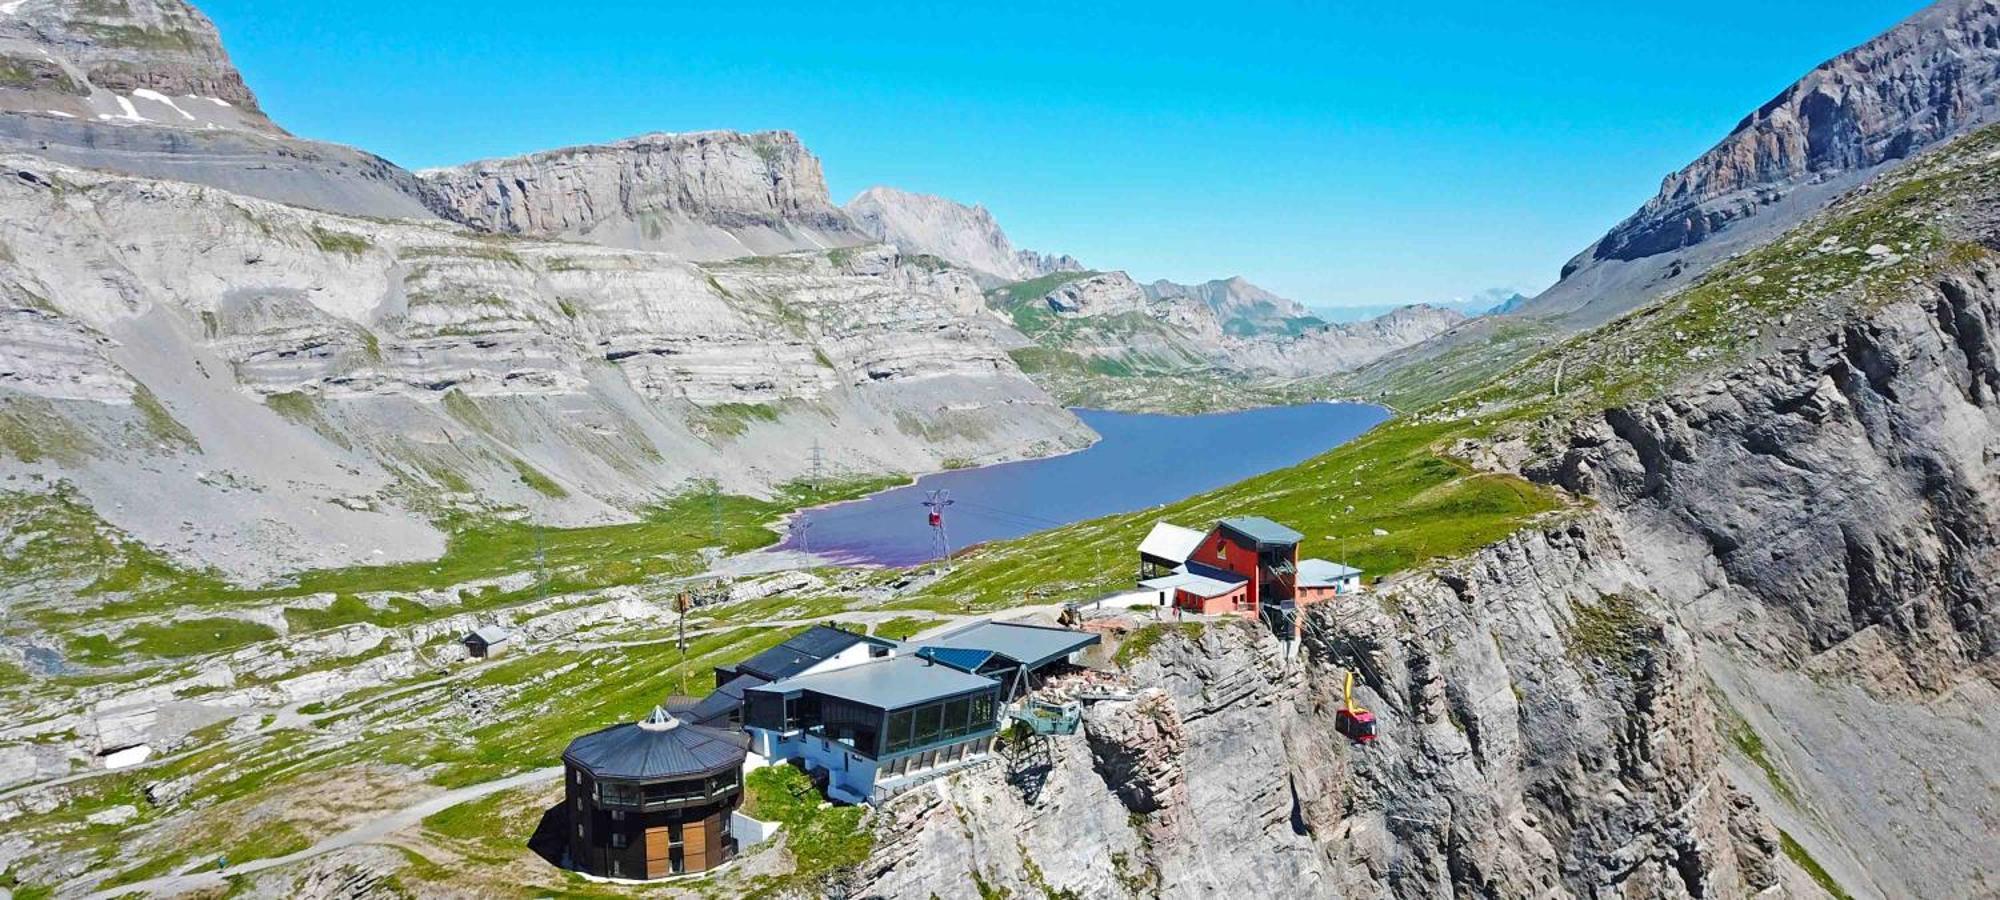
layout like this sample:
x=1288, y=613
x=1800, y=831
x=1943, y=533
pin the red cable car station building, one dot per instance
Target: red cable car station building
x=1243, y=565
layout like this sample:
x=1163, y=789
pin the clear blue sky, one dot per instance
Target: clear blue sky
x=1338, y=153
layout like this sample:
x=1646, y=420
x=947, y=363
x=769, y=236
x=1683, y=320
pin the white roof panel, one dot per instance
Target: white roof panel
x=1170, y=541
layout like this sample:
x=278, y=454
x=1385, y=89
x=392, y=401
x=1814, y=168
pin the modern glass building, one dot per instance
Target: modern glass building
x=883, y=719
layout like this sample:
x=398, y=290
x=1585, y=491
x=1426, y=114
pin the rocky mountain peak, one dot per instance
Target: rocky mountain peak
x=1233, y=299
x=966, y=236
x=156, y=62
x=1932, y=77
x=701, y=195
x=1927, y=79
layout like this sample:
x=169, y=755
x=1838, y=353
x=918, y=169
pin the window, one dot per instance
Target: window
x=930, y=721
x=579, y=829
x=617, y=815
x=900, y=723
x=956, y=715
x=617, y=871
x=618, y=840
x=579, y=804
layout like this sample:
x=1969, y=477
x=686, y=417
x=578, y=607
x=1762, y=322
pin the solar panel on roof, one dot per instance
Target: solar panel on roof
x=800, y=652
x=961, y=658
x=1031, y=645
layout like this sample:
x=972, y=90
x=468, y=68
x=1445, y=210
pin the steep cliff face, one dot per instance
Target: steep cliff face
x=1828, y=520
x=703, y=196
x=965, y=236
x=128, y=61
x=1527, y=750
x=1929, y=78
x=144, y=87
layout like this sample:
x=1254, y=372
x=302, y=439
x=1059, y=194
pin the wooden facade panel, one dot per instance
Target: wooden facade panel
x=659, y=852
x=694, y=845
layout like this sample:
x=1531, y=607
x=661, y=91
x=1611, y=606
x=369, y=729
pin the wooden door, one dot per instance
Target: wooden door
x=659, y=855
x=694, y=845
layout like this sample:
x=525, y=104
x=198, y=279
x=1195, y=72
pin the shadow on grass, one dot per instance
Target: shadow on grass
x=549, y=840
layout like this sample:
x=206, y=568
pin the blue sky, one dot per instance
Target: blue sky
x=1338, y=153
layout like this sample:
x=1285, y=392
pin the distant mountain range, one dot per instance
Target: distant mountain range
x=1487, y=302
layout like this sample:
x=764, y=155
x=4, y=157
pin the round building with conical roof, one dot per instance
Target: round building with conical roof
x=653, y=798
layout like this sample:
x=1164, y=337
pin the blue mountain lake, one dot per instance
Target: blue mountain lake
x=1141, y=461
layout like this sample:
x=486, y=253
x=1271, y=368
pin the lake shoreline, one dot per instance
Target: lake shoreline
x=1147, y=463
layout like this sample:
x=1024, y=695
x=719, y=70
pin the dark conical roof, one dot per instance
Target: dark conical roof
x=660, y=747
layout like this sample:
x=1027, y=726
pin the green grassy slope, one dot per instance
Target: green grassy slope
x=127, y=588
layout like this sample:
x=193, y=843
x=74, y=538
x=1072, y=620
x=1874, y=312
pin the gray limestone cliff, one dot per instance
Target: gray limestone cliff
x=965, y=236
x=1931, y=77
x=1853, y=118
x=703, y=196
x=1827, y=519
x=1509, y=764
x=130, y=61
x=302, y=386
x=144, y=87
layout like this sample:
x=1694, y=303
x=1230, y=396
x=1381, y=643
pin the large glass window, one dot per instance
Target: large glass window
x=613, y=793
x=666, y=791
x=956, y=713
x=764, y=710
x=930, y=720
x=982, y=711
x=899, y=738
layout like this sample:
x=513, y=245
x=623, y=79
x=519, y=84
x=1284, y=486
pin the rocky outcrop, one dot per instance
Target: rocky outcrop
x=965, y=236
x=1528, y=749
x=1242, y=308
x=1934, y=76
x=1826, y=518
x=704, y=196
x=144, y=87
x=129, y=61
x=1931, y=77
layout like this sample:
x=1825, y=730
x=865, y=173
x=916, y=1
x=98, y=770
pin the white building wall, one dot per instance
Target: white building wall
x=852, y=656
x=749, y=831
x=849, y=769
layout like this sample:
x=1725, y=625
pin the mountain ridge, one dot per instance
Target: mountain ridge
x=966, y=235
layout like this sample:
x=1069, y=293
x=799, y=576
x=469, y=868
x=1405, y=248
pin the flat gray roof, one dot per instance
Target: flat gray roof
x=891, y=683
x=490, y=635
x=1031, y=645
x=1320, y=573
x=1262, y=530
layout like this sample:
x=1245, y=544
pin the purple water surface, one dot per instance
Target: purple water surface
x=1143, y=460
